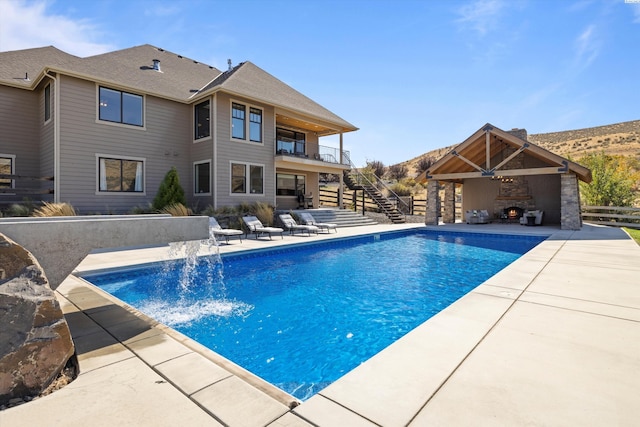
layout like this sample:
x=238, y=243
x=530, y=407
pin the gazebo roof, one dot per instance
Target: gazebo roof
x=472, y=158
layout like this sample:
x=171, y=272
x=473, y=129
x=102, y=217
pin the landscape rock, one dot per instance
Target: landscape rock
x=35, y=341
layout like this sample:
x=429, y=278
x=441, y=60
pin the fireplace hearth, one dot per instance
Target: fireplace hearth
x=513, y=213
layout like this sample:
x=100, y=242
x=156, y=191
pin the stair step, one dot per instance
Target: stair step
x=341, y=217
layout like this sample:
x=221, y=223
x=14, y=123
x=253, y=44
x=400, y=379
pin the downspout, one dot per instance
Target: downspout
x=56, y=137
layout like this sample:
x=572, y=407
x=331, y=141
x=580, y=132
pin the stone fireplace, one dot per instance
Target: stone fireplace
x=514, y=190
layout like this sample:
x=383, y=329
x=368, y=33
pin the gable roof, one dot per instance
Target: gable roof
x=472, y=158
x=180, y=79
x=249, y=80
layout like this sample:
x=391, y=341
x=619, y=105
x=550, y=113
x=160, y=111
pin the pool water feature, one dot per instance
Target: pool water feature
x=301, y=317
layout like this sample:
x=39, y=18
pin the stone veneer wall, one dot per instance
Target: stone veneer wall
x=449, y=207
x=570, y=218
x=431, y=216
x=514, y=191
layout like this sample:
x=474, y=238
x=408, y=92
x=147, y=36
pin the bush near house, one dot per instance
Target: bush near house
x=54, y=209
x=170, y=191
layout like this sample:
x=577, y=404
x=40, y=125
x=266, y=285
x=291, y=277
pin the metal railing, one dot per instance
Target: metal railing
x=324, y=154
x=380, y=185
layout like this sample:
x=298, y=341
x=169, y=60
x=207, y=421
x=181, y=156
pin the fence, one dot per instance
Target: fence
x=15, y=188
x=354, y=200
x=615, y=216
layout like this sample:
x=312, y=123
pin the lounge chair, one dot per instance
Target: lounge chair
x=291, y=225
x=216, y=230
x=477, y=216
x=537, y=214
x=255, y=226
x=308, y=219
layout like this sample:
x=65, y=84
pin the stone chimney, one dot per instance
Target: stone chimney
x=520, y=133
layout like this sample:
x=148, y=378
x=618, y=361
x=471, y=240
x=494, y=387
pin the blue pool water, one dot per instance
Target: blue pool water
x=302, y=317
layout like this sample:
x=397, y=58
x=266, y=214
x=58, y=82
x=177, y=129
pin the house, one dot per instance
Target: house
x=106, y=129
x=505, y=174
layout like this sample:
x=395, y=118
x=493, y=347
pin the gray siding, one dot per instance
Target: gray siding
x=163, y=143
x=19, y=133
x=229, y=150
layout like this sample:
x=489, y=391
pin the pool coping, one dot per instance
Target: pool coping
x=406, y=384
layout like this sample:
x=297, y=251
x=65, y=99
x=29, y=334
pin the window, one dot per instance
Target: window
x=7, y=165
x=239, y=178
x=120, y=107
x=120, y=175
x=255, y=125
x=239, y=125
x=201, y=114
x=47, y=102
x=202, y=177
x=290, y=142
x=237, y=121
x=290, y=185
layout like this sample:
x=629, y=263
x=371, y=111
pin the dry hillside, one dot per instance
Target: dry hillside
x=616, y=139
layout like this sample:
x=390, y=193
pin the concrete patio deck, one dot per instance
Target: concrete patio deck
x=553, y=339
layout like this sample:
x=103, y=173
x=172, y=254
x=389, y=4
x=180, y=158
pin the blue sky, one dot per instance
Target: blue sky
x=413, y=75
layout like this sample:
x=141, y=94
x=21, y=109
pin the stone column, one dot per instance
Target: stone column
x=449, y=208
x=570, y=218
x=433, y=202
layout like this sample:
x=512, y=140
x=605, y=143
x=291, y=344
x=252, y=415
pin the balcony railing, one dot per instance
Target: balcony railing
x=324, y=154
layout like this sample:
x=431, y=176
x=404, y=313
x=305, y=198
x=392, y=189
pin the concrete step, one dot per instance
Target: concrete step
x=341, y=217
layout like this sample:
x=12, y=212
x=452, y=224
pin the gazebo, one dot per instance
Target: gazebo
x=505, y=174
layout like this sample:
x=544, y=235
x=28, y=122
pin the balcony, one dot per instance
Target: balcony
x=326, y=159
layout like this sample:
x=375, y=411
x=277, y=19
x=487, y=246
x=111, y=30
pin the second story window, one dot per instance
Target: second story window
x=201, y=114
x=255, y=126
x=241, y=127
x=47, y=102
x=120, y=107
x=290, y=142
x=238, y=112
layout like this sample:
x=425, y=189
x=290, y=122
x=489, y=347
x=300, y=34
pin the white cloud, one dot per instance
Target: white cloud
x=587, y=47
x=480, y=15
x=25, y=25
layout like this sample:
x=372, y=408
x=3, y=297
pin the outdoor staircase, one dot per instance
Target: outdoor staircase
x=340, y=217
x=354, y=180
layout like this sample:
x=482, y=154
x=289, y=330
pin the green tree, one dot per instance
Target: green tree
x=170, y=191
x=614, y=181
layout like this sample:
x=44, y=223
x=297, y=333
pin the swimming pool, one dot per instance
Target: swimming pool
x=301, y=317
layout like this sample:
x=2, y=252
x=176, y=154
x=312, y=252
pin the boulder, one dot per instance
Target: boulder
x=35, y=341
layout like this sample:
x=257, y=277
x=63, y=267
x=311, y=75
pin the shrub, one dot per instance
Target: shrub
x=264, y=212
x=401, y=189
x=54, y=209
x=398, y=171
x=137, y=210
x=170, y=191
x=176, y=209
x=17, y=209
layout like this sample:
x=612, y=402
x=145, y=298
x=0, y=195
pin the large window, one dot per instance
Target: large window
x=247, y=178
x=47, y=102
x=7, y=165
x=202, y=177
x=120, y=175
x=238, y=112
x=289, y=184
x=255, y=127
x=120, y=107
x=202, y=115
x=240, y=128
x=290, y=142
